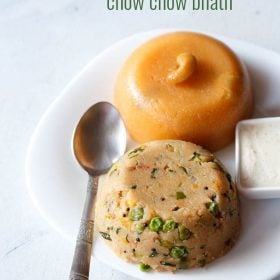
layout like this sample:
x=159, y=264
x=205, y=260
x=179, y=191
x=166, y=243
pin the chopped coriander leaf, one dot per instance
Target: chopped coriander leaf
x=113, y=169
x=231, y=212
x=196, y=156
x=105, y=235
x=167, y=263
x=219, y=164
x=184, y=233
x=169, y=226
x=222, y=169
x=144, y=267
x=156, y=224
x=167, y=167
x=169, y=147
x=136, y=214
x=154, y=253
x=213, y=208
x=126, y=238
x=136, y=152
x=118, y=230
x=185, y=170
x=228, y=177
x=206, y=157
x=183, y=263
x=153, y=173
x=180, y=195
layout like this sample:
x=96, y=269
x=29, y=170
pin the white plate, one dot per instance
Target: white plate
x=57, y=184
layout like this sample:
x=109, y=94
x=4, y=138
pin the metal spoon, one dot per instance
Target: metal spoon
x=99, y=140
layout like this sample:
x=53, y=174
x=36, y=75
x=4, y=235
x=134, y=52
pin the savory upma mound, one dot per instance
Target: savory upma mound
x=168, y=205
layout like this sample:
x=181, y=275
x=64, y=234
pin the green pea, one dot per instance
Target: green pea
x=136, y=214
x=184, y=233
x=140, y=228
x=169, y=226
x=178, y=252
x=213, y=208
x=156, y=224
x=144, y=267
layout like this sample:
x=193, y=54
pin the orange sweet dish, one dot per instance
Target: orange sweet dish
x=185, y=86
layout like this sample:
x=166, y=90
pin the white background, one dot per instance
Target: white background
x=43, y=45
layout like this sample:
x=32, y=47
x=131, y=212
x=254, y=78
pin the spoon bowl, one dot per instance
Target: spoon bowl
x=99, y=139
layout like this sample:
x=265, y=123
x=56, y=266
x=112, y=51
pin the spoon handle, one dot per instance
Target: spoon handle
x=83, y=250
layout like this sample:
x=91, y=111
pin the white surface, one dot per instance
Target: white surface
x=57, y=196
x=258, y=157
x=43, y=45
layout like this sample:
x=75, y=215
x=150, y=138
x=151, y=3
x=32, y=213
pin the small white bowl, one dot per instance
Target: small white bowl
x=260, y=192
